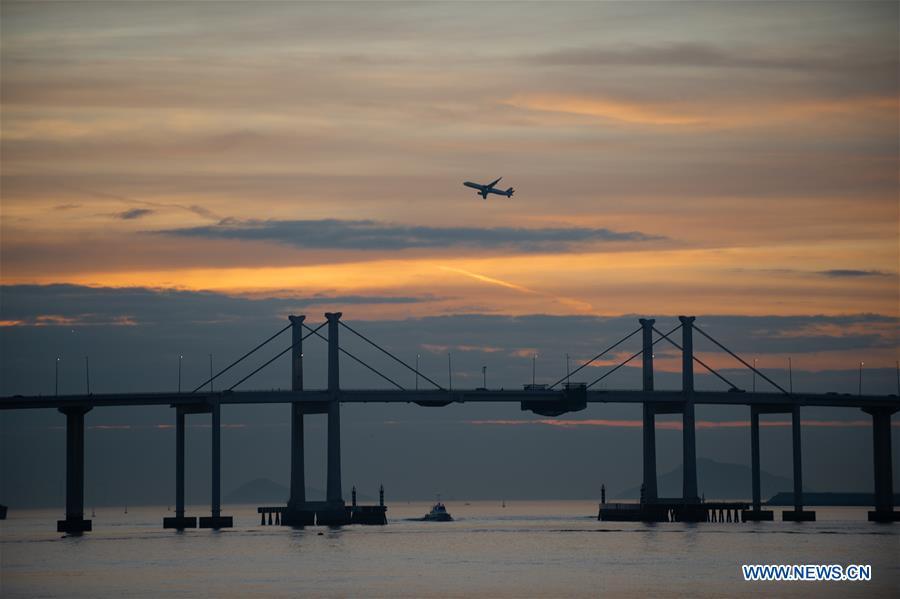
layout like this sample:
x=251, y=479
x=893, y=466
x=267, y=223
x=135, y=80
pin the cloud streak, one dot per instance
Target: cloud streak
x=76, y=306
x=846, y=273
x=134, y=213
x=375, y=235
x=707, y=55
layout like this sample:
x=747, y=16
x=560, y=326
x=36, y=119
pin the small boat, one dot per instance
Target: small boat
x=438, y=513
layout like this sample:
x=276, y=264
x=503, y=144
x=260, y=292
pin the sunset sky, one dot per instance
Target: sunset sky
x=712, y=158
x=176, y=178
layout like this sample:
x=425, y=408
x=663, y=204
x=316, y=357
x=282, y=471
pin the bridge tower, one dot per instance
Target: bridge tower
x=649, y=428
x=297, y=512
x=335, y=512
x=689, y=438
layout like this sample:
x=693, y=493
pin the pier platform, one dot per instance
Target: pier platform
x=216, y=522
x=322, y=514
x=73, y=525
x=180, y=523
x=673, y=511
x=798, y=516
x=884, y=516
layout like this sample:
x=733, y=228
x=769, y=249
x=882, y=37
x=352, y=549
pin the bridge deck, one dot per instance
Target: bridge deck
x=438, y=398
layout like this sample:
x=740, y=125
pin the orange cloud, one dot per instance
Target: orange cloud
x=699, y=114
x=604, y=108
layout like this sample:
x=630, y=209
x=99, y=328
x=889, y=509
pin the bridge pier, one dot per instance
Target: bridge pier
x=884, y=486
x=216, y=519
x=649, y=424
x=179, y=521
x=74, y=522
x=756, y=513
x=798, y=514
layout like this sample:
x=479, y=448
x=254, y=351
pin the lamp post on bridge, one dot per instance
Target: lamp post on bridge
x=567, y=369
x=56, y=379
x=533, y=366
x=790, y=376
x=417, y=372
x=754, y=374
x=859, y=390
x=484, y=376
x=180, y=357
x=210, y=374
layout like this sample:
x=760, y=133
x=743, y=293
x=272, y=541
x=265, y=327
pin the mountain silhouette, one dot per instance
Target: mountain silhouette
x=716, y=480
x=261, y=491
x=786, y=498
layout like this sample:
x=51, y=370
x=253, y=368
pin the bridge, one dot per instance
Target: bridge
x=548, y=400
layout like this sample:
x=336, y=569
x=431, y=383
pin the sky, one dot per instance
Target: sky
x=176, y=178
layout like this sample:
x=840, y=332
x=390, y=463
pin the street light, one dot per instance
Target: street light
x=533, y=366
x=754, y=374
x=179, y=372
x=210, y=374
x=567, y=369
x=417, y=372
x=56, y=382
x=790, y=376
x=484, y=376
x=861, y=364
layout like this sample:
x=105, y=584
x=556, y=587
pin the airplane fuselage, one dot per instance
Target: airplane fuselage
x=484, y=190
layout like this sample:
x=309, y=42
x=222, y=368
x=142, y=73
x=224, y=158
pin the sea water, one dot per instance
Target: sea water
x=526, y=548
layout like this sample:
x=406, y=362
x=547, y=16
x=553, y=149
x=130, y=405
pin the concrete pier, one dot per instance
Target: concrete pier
x=756, y=513
x=179, y=521
x=884, y=485
x=216, y=519
x=74, y=522
x=798, y=514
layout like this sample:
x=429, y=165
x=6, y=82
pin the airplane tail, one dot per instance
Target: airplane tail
x=509, y=192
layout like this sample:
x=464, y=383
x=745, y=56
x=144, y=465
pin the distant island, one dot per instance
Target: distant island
x=261, y=491
x=720, y=480
x=717, y=480
x=786, y=498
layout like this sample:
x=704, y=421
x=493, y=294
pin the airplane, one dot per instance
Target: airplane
x=484, y=190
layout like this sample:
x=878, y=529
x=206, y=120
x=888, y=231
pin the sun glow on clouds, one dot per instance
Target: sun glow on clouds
x=749, y=161
x=700, y=115
x=691, y=281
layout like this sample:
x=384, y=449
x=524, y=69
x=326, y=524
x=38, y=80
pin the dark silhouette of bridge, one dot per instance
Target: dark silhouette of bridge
x=548, y=400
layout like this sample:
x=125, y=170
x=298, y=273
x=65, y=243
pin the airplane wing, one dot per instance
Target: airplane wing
x=489, y=185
